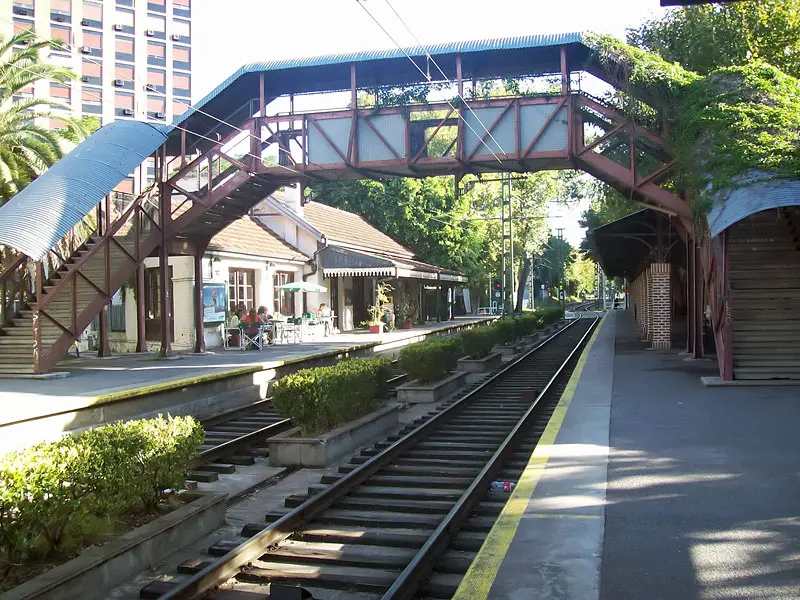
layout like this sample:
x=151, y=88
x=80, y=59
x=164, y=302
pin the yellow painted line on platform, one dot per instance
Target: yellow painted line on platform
x=51, y=406
x=564, y=516
x=482, y=572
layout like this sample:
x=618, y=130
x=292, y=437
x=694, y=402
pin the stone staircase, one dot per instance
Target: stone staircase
x=764, y=278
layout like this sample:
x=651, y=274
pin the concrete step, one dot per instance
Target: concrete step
x=17, y=369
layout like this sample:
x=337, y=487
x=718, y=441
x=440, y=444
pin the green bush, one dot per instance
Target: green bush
x=323, y=398
x=479, y=341
x=506, y=330
x=527, y=324
x=100, y=474
x=550, y=315
x=431, y=360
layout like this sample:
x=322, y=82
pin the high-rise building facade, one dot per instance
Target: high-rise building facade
x=133, y=58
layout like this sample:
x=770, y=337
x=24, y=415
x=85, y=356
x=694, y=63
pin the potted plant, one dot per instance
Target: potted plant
x=377, y=310
x=407, y=313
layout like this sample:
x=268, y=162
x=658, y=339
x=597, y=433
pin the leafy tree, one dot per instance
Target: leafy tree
x=27, y=149
x=704, y=38
x=580, y=275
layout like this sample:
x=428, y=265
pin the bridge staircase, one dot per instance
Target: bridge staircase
x=48, y=304
x=763, y=253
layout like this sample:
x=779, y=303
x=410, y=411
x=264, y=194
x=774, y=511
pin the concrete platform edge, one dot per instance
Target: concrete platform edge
x=487, y=574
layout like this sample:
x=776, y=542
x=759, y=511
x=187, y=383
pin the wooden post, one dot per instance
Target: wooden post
x=459, y=76
x=564, y=71
x=199, y=327
x=141, y=341
x=104, y=348
x=438, y=297
x=36, y=321
x=165, y=208
x=353, y=88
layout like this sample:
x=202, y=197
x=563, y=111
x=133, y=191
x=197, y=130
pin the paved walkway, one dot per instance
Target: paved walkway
x=96, y=377
x=652, y=487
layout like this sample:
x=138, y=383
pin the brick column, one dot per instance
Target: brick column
x=662, y=305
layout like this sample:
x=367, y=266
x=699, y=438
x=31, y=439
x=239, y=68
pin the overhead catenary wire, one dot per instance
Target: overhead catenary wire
x=429, y=80
x=189, y=105
x=441, y=71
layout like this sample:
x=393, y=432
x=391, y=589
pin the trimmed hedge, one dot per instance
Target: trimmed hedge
x=550, y=315
x=479, y=341
x=506, y=330
x=431, y=360
x=322, y=398
x=52, y=493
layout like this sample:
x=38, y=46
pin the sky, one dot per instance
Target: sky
x=229, y=33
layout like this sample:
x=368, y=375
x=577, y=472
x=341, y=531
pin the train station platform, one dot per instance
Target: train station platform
x=96, y=390
x=649, y=485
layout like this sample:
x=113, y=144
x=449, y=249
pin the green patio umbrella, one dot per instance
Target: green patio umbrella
x=302, y=286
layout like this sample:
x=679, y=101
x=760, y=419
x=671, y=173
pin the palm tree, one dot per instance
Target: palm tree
x=26, y=148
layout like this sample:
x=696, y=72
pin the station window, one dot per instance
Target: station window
x=157, y=5
x=181, y=58
x=123, y=104
x=156, y=26
x=92, y=72
x=92, y=43
x=124, y=48
x=23, y=7
x=123, y=76
x=156, y=54
x=182, y=29
x=181, y=84
x=56, y=124
x=156, y=81
x=63, y=35
x=182, y=8
x=241, y=288
x=61, y=93
x=124, y=21
x=284, y=301
x=21, y=25
x=156, y=108
x=125, y=3
x=92, y=14
x=178, y=108
x=60, y=10
x=92, y=100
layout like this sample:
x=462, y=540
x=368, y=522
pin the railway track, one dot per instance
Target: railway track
x=405, y=518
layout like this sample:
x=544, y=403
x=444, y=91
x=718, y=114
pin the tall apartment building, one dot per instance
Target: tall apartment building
x=133, y=58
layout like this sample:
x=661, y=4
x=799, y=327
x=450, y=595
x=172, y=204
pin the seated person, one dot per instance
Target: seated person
x=252, y=323
x=263, y=314
x=236, y=321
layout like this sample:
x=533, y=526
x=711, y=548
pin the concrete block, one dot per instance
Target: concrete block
x=289, y=449
x=481, y=365
x=100, y=568
x=414, y=392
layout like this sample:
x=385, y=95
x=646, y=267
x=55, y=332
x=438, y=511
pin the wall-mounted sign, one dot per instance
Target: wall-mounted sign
x=215, y=302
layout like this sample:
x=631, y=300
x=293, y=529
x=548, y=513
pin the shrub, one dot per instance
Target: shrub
x=322, y=398
x=478, y=342
x=506, y=330
x=94, y=476
x=550, y=315
x=528, y=323
x=431, y=360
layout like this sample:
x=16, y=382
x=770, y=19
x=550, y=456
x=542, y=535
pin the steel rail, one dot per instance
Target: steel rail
x=231, y=563
x=408, y=582
x=244, y=440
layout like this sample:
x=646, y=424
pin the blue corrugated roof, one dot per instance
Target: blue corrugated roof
x=38, y=217
x=750, y=199
x=504, y=43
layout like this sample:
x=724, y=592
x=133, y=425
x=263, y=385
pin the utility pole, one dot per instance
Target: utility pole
x=507, y=262
x=562, y=262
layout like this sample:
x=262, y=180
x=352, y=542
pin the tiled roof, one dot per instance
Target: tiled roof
x=348, y=228
x=246, y=236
